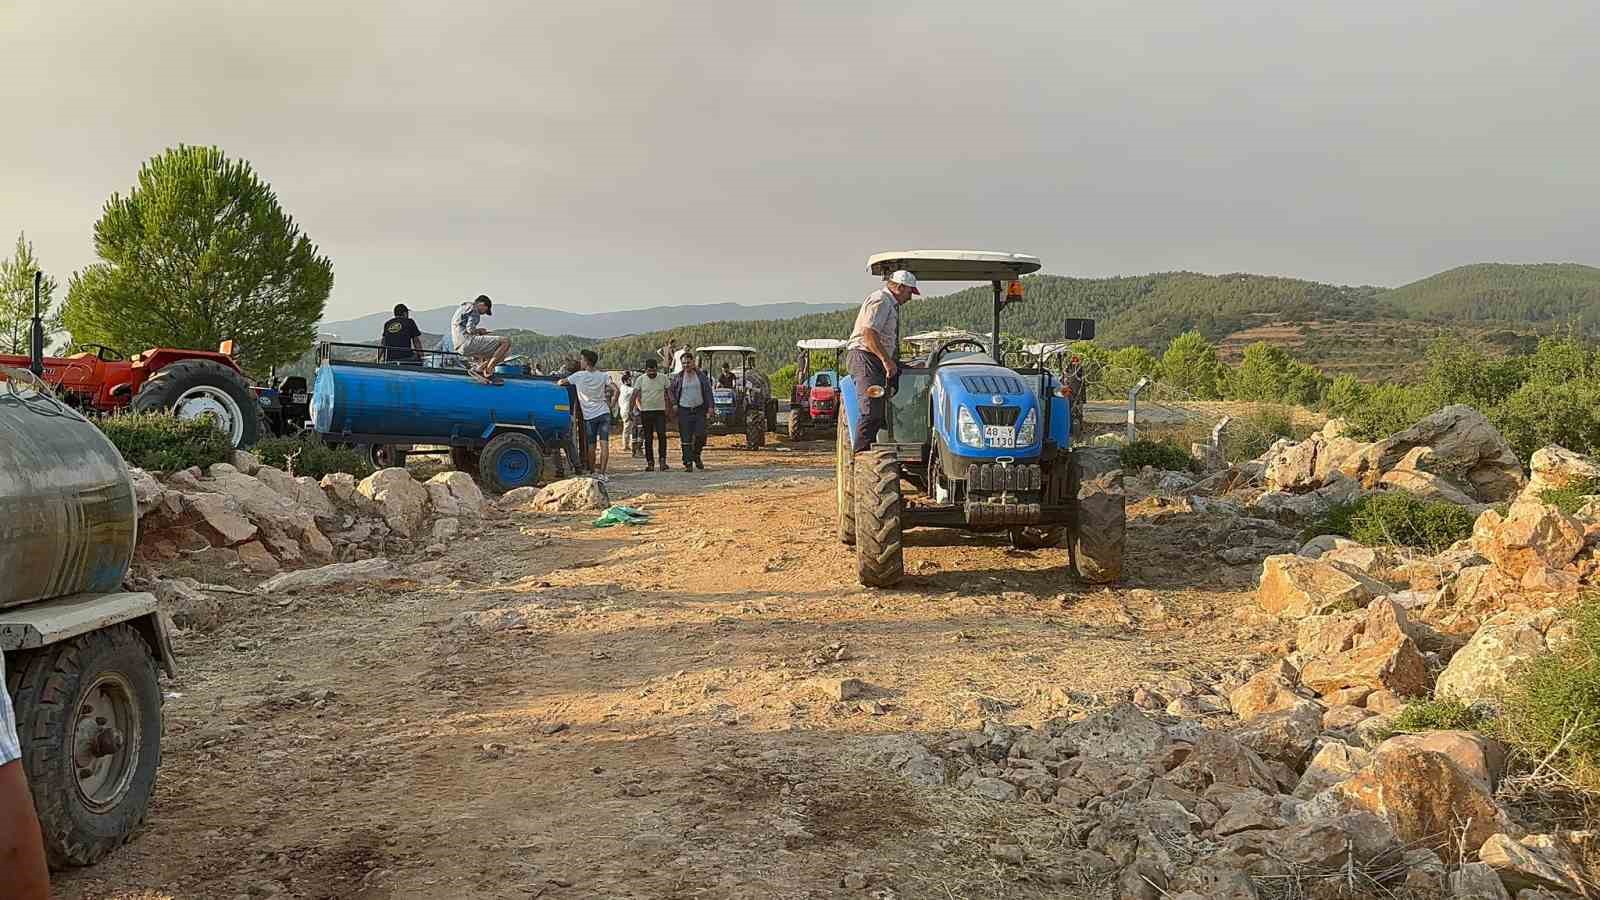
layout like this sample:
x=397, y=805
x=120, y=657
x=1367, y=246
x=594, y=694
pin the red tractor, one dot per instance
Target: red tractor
x=814, y=405
x=187, y=383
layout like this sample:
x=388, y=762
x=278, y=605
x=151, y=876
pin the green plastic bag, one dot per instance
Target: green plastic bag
x=622, y=515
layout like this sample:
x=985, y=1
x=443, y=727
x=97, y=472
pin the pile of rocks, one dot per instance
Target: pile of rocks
x=245, y=516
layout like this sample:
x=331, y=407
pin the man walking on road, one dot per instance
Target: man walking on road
x=595, y=392
x=873, y=347
x=650, y=398
x=690, y=394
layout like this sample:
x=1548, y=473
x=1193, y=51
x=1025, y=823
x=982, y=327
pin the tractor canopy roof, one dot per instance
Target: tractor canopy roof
x=820, y=344
x=955, y=265
x=725, y=349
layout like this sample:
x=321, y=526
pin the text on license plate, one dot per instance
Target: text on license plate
x=1000, y=435
x=299, y=398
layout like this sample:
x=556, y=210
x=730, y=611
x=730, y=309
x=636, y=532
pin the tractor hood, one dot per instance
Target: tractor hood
x=987, y=410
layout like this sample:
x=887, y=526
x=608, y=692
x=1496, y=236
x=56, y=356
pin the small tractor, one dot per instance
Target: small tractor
x=970, y=443
x=286, y=405
x=747, y=406
x=814, y=403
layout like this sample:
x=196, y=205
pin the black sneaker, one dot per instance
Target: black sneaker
x=649, y=467
x=664, y=465
x=699, y=465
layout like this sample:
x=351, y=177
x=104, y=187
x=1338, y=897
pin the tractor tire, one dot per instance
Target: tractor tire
x=880, y=558
x=1100, y=521
x=772, y=414
x=89, y=711
x=190, y=387
x=465, y=459
x=510, y=461
x=755, y=431
x=1037, y=537
x=795, y=427
x=844, y=490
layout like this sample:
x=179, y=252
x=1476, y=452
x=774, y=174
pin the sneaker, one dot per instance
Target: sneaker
x=699, y=465
x=664, y=465
x=603, y=478
x=649, y=467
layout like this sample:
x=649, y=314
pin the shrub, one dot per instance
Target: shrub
x=1570, y=498
x=1437, y=715
x=1551, y=706
x=162, y=443
x=1397, y=517
x=1161, y=454
x=1249, y=436
x=308, y=455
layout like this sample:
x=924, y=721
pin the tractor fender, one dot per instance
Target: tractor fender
x=849, y=408
x=152, y=361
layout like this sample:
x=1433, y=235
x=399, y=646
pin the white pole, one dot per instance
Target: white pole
x=1133, y=407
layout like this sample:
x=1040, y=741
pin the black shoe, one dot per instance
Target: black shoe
x=699, y=465
x=649, y=467
x=664, y=465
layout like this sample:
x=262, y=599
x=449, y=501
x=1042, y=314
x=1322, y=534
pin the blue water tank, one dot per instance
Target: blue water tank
x=420, y=404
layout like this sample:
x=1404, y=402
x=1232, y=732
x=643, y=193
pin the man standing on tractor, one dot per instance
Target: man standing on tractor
x=650, y=399
x=873, y=347
x=725, y=378
x=595, y=392
x=690, y=394
x=477, y=344
x=402, y=339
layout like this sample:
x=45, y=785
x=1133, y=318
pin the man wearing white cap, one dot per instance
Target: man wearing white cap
x=873, y=345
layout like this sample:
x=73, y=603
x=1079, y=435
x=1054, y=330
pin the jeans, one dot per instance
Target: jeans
x=867, y=371
x=692, y=432
x=598, y=428
x=653, y=422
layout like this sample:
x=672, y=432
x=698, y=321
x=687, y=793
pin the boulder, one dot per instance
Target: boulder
x=518, y=497
x=1286, y=735
x=1217, y=758
x=1294, y=587
x=1333, y=763
x=366, y=571
x=309, y=494
x=572, y=495
x=1424, y=796
x=462, y=493
x=1294, y=468
x=1428, y=486
x=1465, y=449
x=283, y=522
x=1534, y=862
x=1343, y=717
x=900, y=755
x=399, y=499
x=1556, y=467
x=246, y=462
x=1292, y=509
x=1477, y=594
x=1479, y=757
x=148, y=493
x=218, y=518
x=340, y=487
x=1394, y=664
x=256, y=558
x=1479, y=671
x=190, y=607
x=1533, y=535
x=1267, y=691
x=1121, y=732
x=1477, y=881
x=1323, y=543
x=1320, y=636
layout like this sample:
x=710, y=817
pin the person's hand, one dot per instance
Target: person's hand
x=889, y=368
x=480, y=331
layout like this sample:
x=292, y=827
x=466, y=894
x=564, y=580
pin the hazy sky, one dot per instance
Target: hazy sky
x=600, y=155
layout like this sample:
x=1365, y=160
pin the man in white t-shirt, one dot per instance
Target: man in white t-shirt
x=595, y=393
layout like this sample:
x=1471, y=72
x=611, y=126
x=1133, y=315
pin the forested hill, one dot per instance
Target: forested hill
x=1558, y=293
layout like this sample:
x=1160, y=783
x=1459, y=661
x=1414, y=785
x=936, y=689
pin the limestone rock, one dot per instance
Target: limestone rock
x=340, y=487
x=1342, y=718
x=1333, y=763
x=1290, y=509
x=1464, y=448
x=518, y=497
x=456, y=491
x=256, y=558
x=399, y=499
x=1266, y=691
x=1294, y=468
x=1479, y=757
x=366, y=571
x=1424, y=797
x=1533, y=536
x=1428, y=486
x=246, y=462
x=1294, y=587
x=189, y=606
x=1119, y=733
x=1394, y=664
x=571, y=495
x=1477, y=881
x=1536, y=861
x=218, y=518
x=1555, y=467
x=1323, y=543
x=901, y=755
x=1220, y=759
x=1286, y=735
x=1330, y=635
x=1481, y=669
x=148, y=493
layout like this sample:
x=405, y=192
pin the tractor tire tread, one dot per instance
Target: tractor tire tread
x=880, y=554
x=844, y=475
x=160, y=391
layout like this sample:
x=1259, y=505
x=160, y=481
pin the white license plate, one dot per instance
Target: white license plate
x=299, y=398
x=1000, y=435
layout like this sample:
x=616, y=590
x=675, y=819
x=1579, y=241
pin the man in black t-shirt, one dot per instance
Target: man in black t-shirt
x=401, y=338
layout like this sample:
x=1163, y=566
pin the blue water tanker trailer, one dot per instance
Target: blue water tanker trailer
x=82, y=655
x=508, y=435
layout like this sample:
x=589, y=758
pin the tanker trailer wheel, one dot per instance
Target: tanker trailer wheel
x=1037, y=537
x=192, y=388
x=880, y=560
x=385, y=456
x=89, y=711
x=1100, y=520
x=510, y=461
x=844, y=490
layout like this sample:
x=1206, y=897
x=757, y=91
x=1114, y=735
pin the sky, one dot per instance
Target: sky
x=614, y=155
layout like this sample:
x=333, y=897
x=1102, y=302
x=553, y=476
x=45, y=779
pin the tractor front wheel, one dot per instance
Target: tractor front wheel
x=755, y=430
x=796, y=428
x=192, y=388
x=510, y=461
x=880, y=560
x=844, y=492
x=1100, y=522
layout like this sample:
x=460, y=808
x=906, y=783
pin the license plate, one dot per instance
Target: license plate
x=299, y=398
x=1000, y=435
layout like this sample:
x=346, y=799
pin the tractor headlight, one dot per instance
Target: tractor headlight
x=967, y=428
x=1029, y=429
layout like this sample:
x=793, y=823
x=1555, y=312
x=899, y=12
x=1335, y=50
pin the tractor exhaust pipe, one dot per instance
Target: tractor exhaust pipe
x=36, y=335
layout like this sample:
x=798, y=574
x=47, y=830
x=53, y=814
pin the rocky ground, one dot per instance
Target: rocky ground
x=521, y=705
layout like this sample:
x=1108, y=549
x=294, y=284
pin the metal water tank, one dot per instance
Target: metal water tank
x=68, y=519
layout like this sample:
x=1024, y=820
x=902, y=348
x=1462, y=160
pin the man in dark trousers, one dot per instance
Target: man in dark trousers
x=650, y=399
x=873, y=348
x=690, y=394
x=402, y=338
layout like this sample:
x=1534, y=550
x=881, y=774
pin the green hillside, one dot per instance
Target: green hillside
x=1541, y=293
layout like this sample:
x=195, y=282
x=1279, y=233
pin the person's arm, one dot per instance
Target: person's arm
x=874, y=342
x=21, y=847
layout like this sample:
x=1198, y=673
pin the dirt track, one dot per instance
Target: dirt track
x=631, y=715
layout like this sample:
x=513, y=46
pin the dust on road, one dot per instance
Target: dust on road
x=552, y=710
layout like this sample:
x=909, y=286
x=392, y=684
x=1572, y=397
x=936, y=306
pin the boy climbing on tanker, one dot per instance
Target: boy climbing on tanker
x=595, y=395
x=483, y=350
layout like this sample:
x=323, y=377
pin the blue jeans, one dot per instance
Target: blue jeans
x=692, y=432
x=598, y=428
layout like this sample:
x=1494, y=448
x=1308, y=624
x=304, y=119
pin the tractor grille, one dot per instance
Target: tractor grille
x=991, y=384
x=999, y=415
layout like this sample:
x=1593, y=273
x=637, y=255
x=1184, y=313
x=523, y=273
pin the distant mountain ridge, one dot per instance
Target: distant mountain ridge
x=595, y=325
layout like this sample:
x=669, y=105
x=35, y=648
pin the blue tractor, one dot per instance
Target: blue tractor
x=975, y=444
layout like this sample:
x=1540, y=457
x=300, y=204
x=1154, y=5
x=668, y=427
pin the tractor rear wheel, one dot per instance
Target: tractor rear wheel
x=796, y=428
x=510, y=461
x=191, y=388
x=1037, y=537
x=755, y=430
x=880, y=559
x=844, y=490
x=1100, y=521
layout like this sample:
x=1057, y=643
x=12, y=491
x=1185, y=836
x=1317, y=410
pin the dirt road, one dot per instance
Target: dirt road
x=552, y=710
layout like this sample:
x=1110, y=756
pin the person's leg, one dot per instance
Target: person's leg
x=686, y=436
x=501, y=351
x=866, y=371
x=700, y=436
x=602, y=441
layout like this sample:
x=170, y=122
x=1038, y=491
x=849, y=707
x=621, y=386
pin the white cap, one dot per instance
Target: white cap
x=906, y=278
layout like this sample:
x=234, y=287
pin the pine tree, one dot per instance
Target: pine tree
x=16, y=299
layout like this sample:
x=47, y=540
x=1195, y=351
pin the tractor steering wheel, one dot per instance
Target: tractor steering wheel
x=101, y=351
x=938, y=355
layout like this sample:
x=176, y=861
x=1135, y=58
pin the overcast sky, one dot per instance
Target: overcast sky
x=605, y=155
